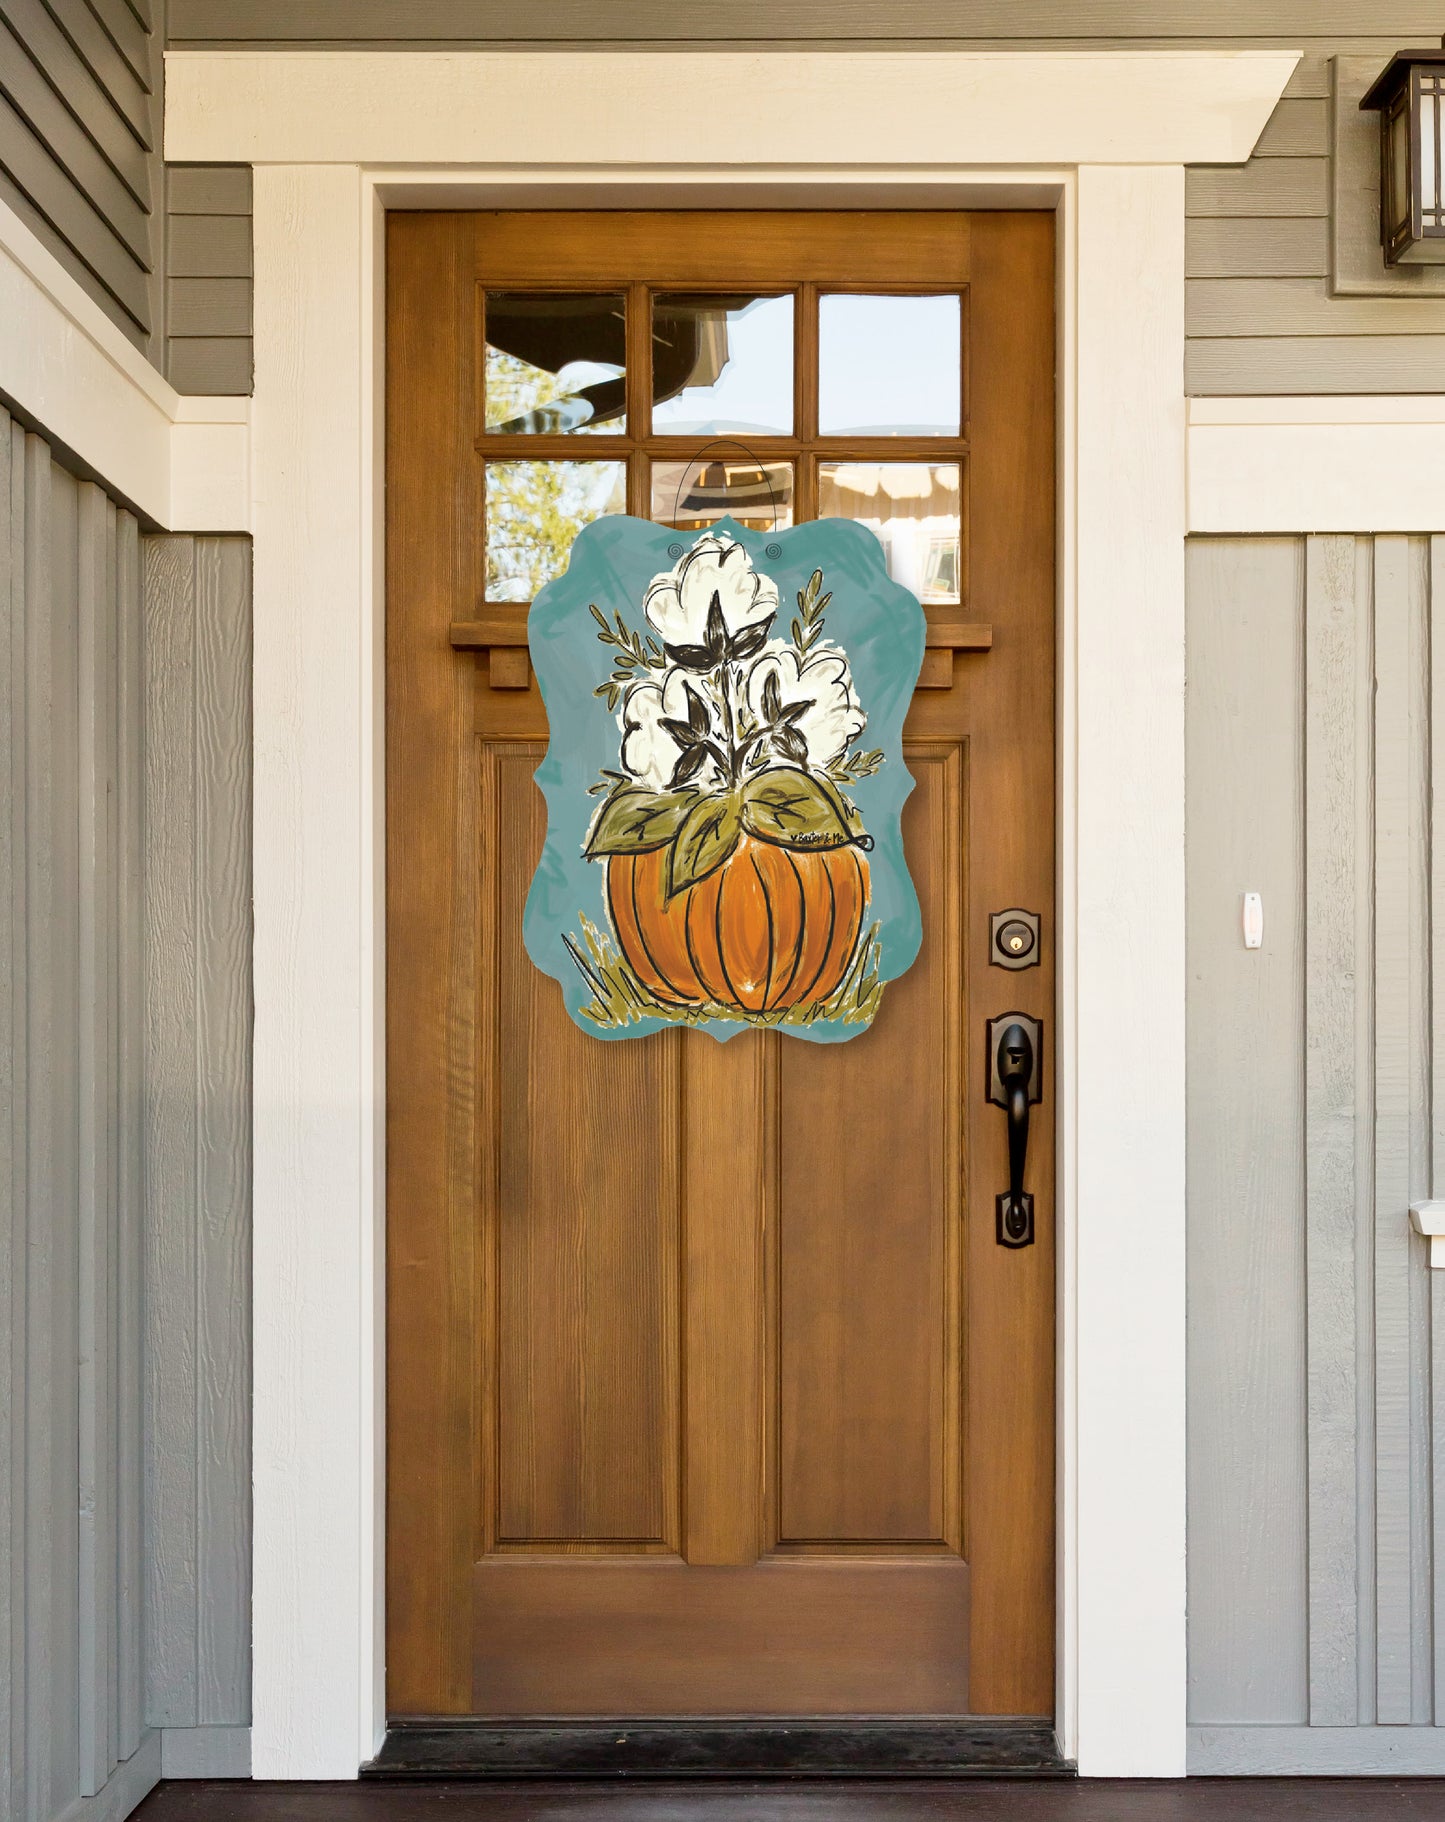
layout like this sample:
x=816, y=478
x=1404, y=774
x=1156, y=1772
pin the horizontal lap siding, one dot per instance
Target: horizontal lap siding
x=79, y=151
x=208, y=278
x=1259, y=317
x=545, y=21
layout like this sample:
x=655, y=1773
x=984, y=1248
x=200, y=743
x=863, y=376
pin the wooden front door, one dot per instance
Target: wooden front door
x=710, y=1388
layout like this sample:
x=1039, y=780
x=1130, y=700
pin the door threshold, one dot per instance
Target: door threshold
x=901, y=1746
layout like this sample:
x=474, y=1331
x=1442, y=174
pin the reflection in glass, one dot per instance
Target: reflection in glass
x=722, y=363
x=555, y=363
x=889, y=366
x=690, y=495
x=914, y=509
x=1432, y=105
x=534, y=511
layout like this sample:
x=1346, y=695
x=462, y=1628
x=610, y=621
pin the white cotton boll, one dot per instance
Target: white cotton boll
x=649, y=753
x=833, y=716
x=677, y=603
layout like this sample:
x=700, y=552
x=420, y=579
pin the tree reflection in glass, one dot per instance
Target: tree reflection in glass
x=534, y=511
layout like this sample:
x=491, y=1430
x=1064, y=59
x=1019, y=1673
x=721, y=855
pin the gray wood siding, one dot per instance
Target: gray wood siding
x=71, y=1169
x=80, y=145
x=1248, y=1533
x=197, y=925
x=208, y=278
x=1259, y=316
x=1316, y=1329
x=554, y=21
x=125, y=1023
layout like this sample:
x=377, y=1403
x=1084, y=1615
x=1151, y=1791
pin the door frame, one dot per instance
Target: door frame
x=337, y=138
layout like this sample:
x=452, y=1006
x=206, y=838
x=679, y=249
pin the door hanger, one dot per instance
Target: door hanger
x=724, y=779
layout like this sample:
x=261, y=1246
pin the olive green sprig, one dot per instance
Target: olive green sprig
x=854, y=766
x=807, y=628
x=634, y=655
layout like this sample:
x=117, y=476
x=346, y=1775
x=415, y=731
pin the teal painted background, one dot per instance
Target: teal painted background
x=877, y=622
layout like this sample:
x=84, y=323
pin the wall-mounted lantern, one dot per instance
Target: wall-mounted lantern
x=1409, y=96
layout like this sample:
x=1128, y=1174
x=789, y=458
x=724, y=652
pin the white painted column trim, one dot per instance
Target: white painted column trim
x=1127, y=1207
x=318, y=1046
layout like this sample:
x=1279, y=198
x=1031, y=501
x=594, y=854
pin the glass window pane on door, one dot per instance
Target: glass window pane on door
x=722, y=364
x=914, y=509
x=534, y=511
x=690, y=495
x=555, y=363
x=889, y=366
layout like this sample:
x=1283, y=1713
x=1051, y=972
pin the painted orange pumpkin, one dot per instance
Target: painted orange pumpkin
x=770, y=929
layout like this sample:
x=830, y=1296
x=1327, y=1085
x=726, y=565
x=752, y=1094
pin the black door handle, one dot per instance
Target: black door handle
x=1015, y=1055
x=1015, y=1070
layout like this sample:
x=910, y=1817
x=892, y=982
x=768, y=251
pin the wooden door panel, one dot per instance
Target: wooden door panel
x=869, y=1374
x=709, y=1390
x=806, y=1636
x=583, y=1234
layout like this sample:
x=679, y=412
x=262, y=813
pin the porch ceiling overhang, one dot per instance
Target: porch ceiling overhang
x=743, y=107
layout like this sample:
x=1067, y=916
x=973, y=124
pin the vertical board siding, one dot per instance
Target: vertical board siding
x=1435, y=577
x=70, y=1333
x=1362, y=1034
x=14, y=1124
x=170, y=1150
x=96, y=1134
x=1247, y=1466
x=130, y=1173
x=222, y=745
x=1392, y=1131
x=1332, y=641
x=198, y=1195
x=125, y=1012
x=1417, y=836
x=80, y=146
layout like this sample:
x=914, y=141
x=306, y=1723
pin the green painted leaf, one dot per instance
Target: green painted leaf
x=632, y=821
x=795, y=810
x=844, y=810
x=709, y=833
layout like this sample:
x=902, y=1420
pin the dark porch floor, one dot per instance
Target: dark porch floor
x=1194, y=1800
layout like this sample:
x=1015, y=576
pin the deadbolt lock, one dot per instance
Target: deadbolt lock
x=1014, y=939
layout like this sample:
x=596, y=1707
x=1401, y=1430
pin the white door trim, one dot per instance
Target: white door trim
x=319, y=1093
